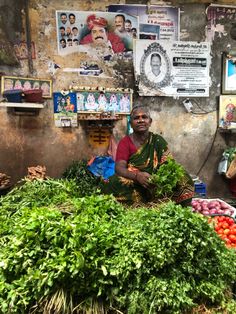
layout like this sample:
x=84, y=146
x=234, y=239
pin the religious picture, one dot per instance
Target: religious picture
x=14, y=82
x=227, y=112
x=65, y=110
x=104, y=102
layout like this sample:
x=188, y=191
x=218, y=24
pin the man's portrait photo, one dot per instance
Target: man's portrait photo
x=152, y=67
x=95, y=29
x=99, y=34
x=156, y=72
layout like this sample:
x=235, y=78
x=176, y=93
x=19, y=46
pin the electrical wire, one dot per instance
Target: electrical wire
x=208, y=154
x=204, y=111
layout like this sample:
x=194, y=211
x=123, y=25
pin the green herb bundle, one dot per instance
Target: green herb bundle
x=91, y=255
x=166, y=178
x=86, y=182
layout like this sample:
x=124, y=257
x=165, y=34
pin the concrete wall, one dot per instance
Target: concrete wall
x=32, y=140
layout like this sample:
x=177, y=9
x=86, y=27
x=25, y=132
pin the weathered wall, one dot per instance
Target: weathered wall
x=193, y=138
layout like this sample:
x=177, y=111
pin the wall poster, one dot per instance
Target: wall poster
x=22, y=51
x=65, y=110
x=216, y=15
x=100, y=33
x=26, y=83
x=104, y=41
x=165, y=18
x=164, y=68
x=227, y=112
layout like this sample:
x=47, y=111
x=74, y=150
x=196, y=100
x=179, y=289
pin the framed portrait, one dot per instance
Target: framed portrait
x=104, y=101
x=229, y=74
x=26, y=83
x=155, y=66
x=227, y=112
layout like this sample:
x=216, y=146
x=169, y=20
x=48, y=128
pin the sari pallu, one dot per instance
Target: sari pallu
x=148, y=158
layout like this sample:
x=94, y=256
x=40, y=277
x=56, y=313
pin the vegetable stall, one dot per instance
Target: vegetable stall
x=66, y=248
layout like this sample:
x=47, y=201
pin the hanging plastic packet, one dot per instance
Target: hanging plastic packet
x=129, y=128
x=223, y=164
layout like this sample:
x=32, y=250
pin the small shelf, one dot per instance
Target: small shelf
x=100, y=116
x=26, y=105
x=229, y=131
x=22, y=108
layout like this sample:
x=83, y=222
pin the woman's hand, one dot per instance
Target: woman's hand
x=140, y=177
x=143, y=178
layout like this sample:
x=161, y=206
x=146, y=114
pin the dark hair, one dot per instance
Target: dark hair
x=71, y=14
x=63, y=14
x=128, y=21
x=155, y=55
x=137, y=107
x=121, y=15
x=62, y=40
x=74, y=28
x=62, y=27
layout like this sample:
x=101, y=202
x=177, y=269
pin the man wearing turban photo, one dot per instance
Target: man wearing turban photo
x=100, y=36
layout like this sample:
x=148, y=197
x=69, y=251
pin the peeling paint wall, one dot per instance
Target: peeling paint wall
x=193, y=138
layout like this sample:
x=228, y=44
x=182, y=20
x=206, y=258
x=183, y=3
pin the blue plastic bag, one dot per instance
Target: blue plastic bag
x=102, y=166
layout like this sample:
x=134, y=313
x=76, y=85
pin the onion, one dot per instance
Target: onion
x=194, y=203
x=212, y=207
x=213, y=204
x=213, y=211
x=198, y=208
x=223, y=205
x=227, y=212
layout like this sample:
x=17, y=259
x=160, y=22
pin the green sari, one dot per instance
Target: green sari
x=148, y=158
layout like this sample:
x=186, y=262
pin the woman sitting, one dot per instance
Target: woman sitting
x=138, y=156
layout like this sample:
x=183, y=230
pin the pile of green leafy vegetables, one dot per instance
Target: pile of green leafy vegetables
x=86, y=182
x=165, y=180
x=62, y=253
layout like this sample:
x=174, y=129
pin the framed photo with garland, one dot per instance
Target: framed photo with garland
x=229, y=74
x=118, y=102
x=227, y=112
x=26, y=83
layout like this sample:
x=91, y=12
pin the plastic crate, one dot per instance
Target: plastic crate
x=14, y=95
x=200, y=188
x=33, y=95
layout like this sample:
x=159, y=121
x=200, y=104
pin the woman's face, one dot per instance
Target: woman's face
x=140, y=121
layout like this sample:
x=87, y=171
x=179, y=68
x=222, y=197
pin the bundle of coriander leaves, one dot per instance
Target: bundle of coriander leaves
x=86, y=182
x=95, y=256
x=165, y=180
